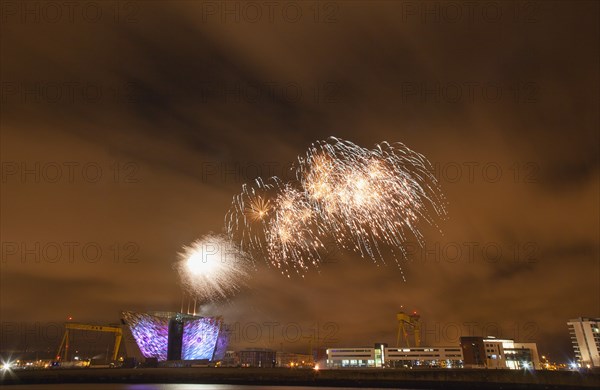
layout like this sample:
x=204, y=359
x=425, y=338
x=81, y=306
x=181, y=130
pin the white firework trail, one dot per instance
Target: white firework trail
x=360, y=198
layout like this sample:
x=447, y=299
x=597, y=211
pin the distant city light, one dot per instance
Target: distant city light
x=6, y=366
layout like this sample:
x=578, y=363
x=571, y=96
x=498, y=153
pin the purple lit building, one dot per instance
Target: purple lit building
x=177, y=336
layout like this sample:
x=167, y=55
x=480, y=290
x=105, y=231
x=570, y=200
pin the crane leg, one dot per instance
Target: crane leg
x=62, y=343
x=117, y=344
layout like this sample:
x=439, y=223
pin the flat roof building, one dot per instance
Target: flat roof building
x=351, y=357
x=430, y=357
x=472, y=352
x=381, y=356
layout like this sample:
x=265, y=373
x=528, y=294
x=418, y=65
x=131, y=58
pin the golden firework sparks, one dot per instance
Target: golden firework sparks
x=357, y=197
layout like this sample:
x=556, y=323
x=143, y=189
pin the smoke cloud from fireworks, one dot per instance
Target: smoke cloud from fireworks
x=361, y=199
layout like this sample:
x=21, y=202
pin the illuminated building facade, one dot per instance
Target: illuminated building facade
x=177, y=336
x=433, y=357
x=381, y=356
x=585, y=336
x=473, y=352
x=351, y=357
x=490, y=352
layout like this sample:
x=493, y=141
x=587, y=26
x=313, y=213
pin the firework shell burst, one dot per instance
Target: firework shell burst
x=276, y=219
x=370, y=197
x=213, y=267
x=361, y=199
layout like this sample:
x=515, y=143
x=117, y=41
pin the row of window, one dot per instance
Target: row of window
x=399, y=355
x=396, y=363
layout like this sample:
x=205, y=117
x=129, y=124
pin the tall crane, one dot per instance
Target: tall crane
x=69, y=326
x=405, y=322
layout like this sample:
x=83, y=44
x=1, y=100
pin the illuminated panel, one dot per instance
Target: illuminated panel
x=200, y=338
x=222, y=343
x=150, y=332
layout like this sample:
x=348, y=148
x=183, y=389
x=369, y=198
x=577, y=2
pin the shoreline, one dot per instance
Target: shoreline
x=409, y=379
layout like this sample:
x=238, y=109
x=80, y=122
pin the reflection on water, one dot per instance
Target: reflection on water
x=118, y=386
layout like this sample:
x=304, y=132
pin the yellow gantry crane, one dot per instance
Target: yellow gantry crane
x=87, y=327
x=409, y=321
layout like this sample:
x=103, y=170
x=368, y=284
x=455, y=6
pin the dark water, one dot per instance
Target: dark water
x=116, y=386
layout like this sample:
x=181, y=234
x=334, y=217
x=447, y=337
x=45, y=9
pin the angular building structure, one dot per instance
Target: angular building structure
x=585, y=336
x=169, y=336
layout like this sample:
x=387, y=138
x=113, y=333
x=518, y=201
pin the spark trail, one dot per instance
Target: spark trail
x=361, y=199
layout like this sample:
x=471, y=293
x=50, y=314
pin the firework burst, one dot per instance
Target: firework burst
x=370, y=197
x=359, y=198
x=212, y=268
x=277, y=221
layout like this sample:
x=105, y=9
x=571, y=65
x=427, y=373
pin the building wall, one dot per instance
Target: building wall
x=262, y=358
x=496, y=353
x=350, y=357
x=535, y=357
x=473, y=351
x=444, y=357
x=230, y=359
x=395, y=357
x=585, y=336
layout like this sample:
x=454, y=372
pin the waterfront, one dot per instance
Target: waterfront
x=165, y=386
x=277, y=377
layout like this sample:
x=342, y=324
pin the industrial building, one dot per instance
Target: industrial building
x=382, y=356
x=585, y=336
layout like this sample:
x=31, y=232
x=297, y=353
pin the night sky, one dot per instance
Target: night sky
x=128, y=127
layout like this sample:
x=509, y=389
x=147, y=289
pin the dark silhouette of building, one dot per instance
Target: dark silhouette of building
x=473, y=350
x=258, y=357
